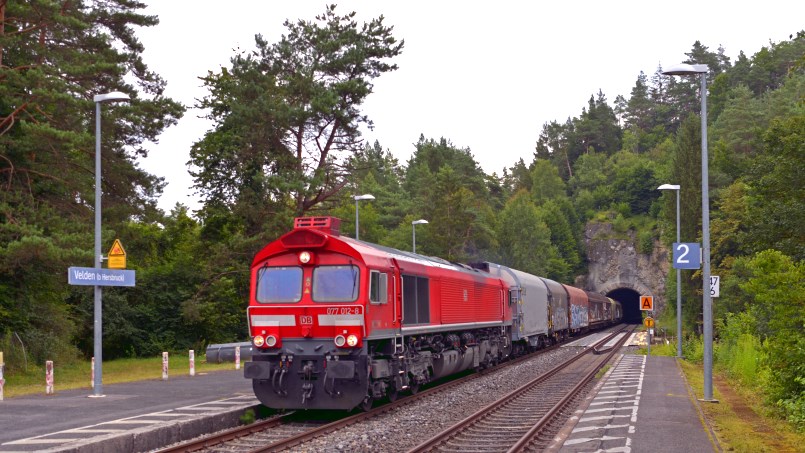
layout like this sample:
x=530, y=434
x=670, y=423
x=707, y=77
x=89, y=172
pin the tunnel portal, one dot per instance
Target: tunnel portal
x=630, y=300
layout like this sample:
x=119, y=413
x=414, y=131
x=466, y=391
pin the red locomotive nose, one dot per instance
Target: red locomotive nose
x=306, y=332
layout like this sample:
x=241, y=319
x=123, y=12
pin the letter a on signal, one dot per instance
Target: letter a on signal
x=647, y=303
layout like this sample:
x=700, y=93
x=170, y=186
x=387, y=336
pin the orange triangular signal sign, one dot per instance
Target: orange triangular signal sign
x=117, y=249
x=646, y=303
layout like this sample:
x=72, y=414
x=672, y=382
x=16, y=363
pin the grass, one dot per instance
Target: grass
x=739, y=423
x=78, y=375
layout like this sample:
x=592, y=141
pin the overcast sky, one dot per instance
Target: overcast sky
x=484, y=77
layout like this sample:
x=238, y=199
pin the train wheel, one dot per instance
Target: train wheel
x=414, y=389
x=393, y=394
x=366, y=404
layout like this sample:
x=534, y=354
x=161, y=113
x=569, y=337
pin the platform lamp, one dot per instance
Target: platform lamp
x=675, y=188
x=701, y=70
x=114, y=96
x=413, y=225
x=358, y=198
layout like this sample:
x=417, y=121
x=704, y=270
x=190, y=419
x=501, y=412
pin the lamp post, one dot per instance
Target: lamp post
x=675, y=188
x=413, y=225
x=707, y=306
x=358, y=198
x=98, y=325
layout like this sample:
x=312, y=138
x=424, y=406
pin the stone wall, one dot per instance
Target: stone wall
x=614, y=262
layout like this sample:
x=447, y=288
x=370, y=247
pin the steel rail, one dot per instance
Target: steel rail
x=338, y=424
x=226, y=436
x=263, y=425
x=529, y=436
x=481, y=414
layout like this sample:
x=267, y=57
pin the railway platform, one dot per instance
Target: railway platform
x=643, y=404
x=168, y=411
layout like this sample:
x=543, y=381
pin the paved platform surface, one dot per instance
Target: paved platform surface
x=642, y=405
x=71, y=421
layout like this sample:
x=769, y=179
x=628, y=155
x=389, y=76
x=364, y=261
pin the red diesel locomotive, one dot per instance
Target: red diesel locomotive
x=337, y=323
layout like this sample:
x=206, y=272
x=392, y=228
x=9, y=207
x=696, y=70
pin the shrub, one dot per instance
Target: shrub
x=645, y=242
x=693, y=349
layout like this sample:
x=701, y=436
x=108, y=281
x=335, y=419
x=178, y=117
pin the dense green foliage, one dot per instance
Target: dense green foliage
x=286, y=141
x=54, y=57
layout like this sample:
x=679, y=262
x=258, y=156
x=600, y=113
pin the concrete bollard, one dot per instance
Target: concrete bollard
x=49, y=377
x=192, y=362
x=164, y=366
x=237, y=357
x=2, y=381
x=92, y=374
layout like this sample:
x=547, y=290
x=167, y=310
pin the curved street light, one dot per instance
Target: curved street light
x=358, y=198
x=675, y=188
x=413, y=225
x=685, y=69
x=114, y=96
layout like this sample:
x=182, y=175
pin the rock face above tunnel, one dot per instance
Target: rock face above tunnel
x=614, y=262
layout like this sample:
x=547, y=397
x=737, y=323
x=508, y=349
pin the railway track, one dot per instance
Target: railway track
x=287, y=431
x=518, y=421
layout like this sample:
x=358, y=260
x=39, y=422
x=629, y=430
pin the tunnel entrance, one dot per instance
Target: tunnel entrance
x=630, y=300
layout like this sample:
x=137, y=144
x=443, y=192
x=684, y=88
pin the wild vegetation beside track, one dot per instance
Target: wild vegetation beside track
x=740, y=420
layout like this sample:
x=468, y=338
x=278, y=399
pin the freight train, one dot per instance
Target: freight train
x=337, y=323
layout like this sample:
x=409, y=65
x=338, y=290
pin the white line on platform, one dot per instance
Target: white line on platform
x=584, y=440
x=131, y=421
x=594, y=428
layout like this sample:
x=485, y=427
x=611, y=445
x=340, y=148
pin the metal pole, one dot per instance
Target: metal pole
x=678, y=288
x=707, y=301
x=414, y=241
x=356, y=219
x=98, y=326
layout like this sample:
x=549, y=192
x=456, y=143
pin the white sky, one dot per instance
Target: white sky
x=484, y=77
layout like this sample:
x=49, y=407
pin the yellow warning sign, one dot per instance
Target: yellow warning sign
x=649, y=322
x=647, y=303
x=117, y=256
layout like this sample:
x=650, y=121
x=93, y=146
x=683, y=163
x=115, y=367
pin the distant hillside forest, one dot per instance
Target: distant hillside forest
x=286, y=143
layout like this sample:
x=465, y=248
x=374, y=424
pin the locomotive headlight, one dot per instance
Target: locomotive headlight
x=258, y=341
x=340, y=341
x=271, y=341
x=352, y=340
x=304, y=257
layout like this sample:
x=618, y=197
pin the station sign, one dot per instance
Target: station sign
x=687, y=255
x=646, y=303
x=90, y=276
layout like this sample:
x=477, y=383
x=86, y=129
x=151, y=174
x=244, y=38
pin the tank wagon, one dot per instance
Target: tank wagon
x=337, y=323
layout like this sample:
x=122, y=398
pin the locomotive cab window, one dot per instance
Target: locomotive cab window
x=279, y=284
x=335, y=283
x=378, y=287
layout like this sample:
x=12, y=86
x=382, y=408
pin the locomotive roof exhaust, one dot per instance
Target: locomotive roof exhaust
x=329, y=225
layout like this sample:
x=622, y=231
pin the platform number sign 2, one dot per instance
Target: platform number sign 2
x=687, y=255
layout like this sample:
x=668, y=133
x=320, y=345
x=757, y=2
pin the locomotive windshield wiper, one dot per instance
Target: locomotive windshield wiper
x=259, y=277
x=354, y=277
